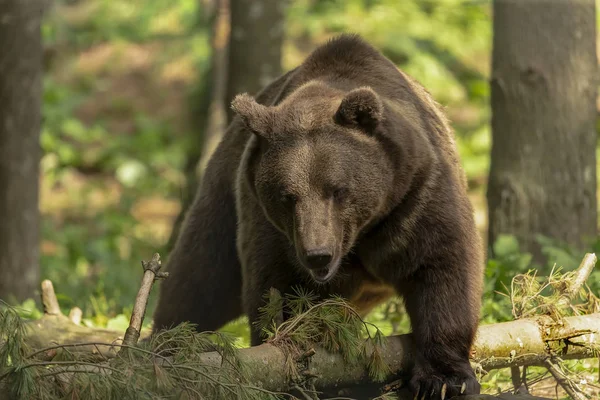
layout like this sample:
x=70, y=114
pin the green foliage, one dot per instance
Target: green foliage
x=106, y=149
x=170, y=365
x=171, y=362
x=499, y=271
x=532, y=294
x=509, y=261
x=410, y=33
x=12, y=351
x=136, y=20
x=330, y=323
x=512, y=261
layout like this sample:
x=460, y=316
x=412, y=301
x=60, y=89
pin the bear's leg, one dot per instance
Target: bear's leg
x=263, y=275
x=253, y=299
x=443, y=305
x=265, y=254
x=205, y=283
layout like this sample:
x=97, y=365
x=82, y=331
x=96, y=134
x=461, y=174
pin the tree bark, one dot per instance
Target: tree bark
x=247, y=38
x=257, y=33
x=217, y=116
x=208, y=109
x=20, y=108
x=543, y=91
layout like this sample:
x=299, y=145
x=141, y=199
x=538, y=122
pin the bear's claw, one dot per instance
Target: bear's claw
x=435, y=386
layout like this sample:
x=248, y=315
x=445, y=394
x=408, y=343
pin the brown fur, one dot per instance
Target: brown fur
x=342, y=176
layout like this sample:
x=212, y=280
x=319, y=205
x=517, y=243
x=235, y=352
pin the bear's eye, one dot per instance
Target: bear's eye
x=340, y=194
x=287, y=198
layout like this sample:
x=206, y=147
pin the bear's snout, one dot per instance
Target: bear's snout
x=318, y=258
x=321, y=264
x=316, y=238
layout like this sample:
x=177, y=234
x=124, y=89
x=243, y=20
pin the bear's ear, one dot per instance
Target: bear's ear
x=361, y=108
x=257, y=117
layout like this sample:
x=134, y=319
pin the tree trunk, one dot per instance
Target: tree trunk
x=247, y=57
x=257, y=33
x=543, y=92
x=217, y=116
x=20, y=107
x=208, y=110
x=247, y=37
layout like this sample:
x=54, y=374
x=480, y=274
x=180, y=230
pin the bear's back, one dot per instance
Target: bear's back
x=348, y=62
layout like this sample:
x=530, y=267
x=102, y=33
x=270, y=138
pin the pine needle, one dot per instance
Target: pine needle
x=167, y=366
x=331, y=324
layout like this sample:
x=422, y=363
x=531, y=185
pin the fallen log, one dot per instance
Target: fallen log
x=524, y=342
x=503, y=345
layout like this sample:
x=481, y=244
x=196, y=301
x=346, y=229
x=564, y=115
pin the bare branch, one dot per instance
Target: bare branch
x=580, y=275
x=563, y=380
x=515, y=375
x=151, y=273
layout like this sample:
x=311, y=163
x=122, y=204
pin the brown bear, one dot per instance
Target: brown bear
x=342, y=176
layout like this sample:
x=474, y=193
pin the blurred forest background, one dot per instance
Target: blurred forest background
x=135, y=93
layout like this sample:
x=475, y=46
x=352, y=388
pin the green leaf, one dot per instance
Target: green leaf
x=118, y=323
x=130, y=172
x=506, y=245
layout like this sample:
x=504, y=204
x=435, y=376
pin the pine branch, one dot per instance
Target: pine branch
x=503, y=345
x=523, y=342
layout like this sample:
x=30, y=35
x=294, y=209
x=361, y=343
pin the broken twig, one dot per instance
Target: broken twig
x=571, y=288
x=151, y=273
x=563, y=381
x=49, y=300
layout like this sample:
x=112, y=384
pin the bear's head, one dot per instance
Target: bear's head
x=319, y=169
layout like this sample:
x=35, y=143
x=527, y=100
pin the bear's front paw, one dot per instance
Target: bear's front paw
x=430, y=385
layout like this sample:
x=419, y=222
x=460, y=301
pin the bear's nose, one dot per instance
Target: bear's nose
x=318, y=258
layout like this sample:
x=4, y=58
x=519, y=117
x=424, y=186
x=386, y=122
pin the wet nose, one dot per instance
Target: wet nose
x=318, y=258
